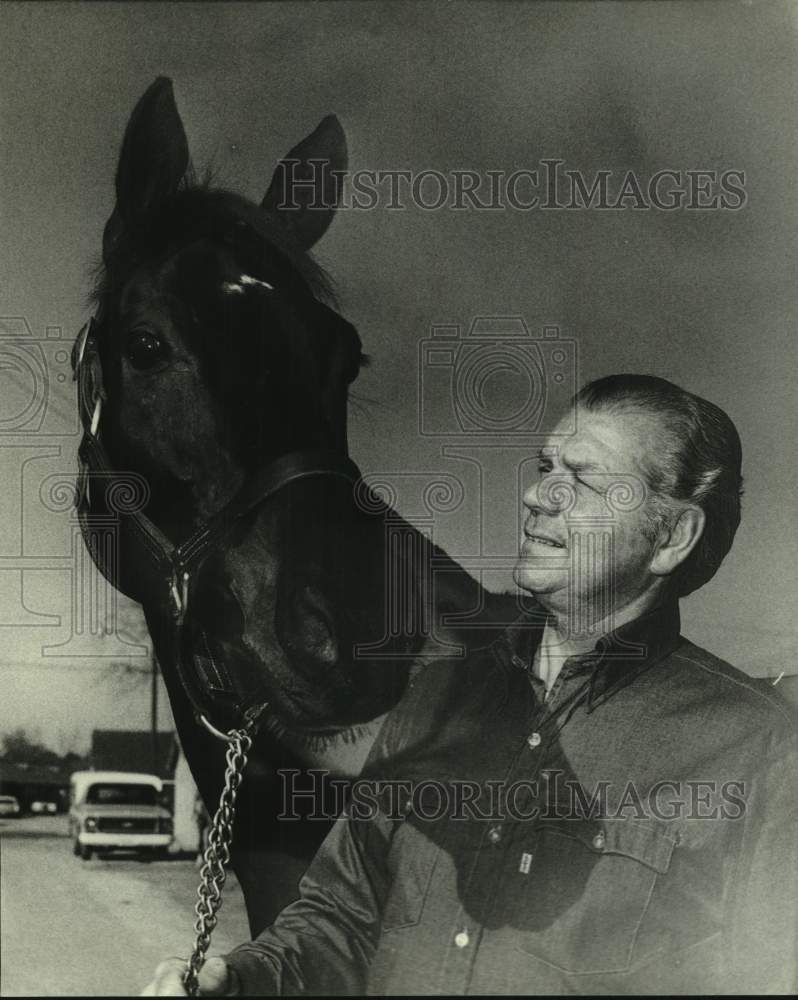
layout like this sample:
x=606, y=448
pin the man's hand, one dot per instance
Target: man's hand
x=216, y=979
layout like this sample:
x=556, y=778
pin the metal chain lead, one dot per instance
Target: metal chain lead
x=213, y=873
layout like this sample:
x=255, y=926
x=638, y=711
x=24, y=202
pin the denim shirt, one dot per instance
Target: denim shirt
x=635, y=831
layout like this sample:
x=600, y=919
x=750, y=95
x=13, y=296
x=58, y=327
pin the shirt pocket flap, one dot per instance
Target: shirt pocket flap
x=647, y=840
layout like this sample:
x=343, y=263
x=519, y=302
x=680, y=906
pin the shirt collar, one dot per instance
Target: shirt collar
x=617, y=658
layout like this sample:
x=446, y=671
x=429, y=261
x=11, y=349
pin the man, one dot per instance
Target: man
x=620, y=806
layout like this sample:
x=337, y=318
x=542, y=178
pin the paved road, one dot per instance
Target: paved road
x=97, y=928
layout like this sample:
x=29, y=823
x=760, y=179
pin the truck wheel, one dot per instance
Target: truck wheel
x=85, y=852
x=76, y=848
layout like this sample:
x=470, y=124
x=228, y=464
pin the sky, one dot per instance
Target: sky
x=704, y=297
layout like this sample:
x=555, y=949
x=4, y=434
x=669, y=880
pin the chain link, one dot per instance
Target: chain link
x=213, y=873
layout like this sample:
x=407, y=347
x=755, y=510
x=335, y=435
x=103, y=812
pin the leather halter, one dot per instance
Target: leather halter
x=155, y=569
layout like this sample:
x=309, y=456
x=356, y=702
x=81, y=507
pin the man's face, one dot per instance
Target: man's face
x=586, y=551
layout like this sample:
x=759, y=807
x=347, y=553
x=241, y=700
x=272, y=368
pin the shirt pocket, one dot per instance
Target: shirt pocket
x=411, y=862
x=587, y=887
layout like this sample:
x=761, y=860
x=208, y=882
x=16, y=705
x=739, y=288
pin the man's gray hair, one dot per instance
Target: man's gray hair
x=699, y=464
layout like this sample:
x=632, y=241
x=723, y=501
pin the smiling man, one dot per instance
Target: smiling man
x=619, y=512
x=592, y=804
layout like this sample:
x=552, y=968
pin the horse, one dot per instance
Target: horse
x=215, y=376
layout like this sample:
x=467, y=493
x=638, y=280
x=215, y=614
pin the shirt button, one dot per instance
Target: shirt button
x=461, y=939
x=495, y=834
x=599, y=841
x=533, y=740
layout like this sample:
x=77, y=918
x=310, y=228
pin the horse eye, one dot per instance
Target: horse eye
x=144, y=350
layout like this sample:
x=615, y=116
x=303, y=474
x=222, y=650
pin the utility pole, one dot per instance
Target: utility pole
x=154, y=711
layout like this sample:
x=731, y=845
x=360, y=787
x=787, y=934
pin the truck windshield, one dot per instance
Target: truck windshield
x=121, y=795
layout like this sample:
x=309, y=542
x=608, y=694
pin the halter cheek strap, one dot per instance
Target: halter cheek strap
x=156, y=570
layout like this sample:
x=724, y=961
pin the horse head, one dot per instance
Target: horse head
x=220, y=350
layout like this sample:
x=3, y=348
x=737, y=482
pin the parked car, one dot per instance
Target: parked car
x=9, y=806
x=118, y=811
x=44, y=807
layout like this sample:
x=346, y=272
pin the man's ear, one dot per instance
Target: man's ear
x=153, y=161
x=677, y=542
x=306, y=186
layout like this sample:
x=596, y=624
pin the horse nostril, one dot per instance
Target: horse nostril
x=305, y=623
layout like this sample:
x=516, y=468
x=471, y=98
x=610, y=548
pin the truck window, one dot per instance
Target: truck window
x=121, y=795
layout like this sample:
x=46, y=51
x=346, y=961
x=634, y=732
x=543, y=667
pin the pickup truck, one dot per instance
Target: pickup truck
x=118, y=811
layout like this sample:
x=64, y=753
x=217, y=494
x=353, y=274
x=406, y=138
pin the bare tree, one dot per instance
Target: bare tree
x=21, y=747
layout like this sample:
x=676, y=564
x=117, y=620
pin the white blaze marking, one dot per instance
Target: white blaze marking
x=238, y=288
x=247, y=279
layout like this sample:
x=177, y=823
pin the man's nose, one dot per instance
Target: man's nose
x=549, y=494
x=533, y=498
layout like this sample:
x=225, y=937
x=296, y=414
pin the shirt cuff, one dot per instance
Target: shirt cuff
x=254, y=972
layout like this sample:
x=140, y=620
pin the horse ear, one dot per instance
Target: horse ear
x=306, y=186
x=154, y=158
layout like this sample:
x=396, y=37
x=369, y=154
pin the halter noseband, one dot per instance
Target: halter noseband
x=156, y=567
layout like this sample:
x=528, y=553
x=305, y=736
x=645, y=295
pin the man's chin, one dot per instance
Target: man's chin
x=537, y=580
